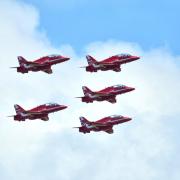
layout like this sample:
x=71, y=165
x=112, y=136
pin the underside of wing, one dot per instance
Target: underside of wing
x=45, y=118
x=109, y=131
x=112, y=100
x=49, y=71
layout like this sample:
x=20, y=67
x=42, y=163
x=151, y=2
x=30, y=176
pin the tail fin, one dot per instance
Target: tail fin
x=18, y=109
x=21, y=60
x=91, y=60
x=84, y=121
x=86, y=91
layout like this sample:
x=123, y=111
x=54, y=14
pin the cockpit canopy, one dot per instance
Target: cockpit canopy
x=53, y=55
x=115, y=116
x=52, y=104
x=119, y=86
x=124, y=55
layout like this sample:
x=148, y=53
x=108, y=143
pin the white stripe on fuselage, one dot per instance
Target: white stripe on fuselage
x=89, y=126
x=113, y=120
x=24, y=114
x=96, y=65
x=97, y=95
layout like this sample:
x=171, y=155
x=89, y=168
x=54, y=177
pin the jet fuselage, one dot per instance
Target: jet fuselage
x=112, y=63
x=39, y=112
x=106, y=124
x=107, y=94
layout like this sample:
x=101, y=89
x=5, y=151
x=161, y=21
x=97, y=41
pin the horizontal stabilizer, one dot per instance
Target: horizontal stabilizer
x=13, y=67
x=11, y=116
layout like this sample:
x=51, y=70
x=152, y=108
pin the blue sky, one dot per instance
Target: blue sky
x=79, y=22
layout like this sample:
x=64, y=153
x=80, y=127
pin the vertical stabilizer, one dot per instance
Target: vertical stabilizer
x=91, y=60
x=84, y=121
x=21, y=60
x=86, y=91
x=18, y=109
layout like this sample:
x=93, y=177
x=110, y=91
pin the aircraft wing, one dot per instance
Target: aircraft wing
x=34, y=63
x=45, y=118
x=34, y=112
x=104, y=93
x=112, y=100
x=106, y=63
x=98, y=124
x=49, y=71
x=109, y=131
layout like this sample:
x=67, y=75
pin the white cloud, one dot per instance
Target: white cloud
x=140, y=149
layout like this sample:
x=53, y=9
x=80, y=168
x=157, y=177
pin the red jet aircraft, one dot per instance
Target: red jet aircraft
x=107, y=94
x=106, y=124
x=112, y=63
x=39, y=112
x=43, y=64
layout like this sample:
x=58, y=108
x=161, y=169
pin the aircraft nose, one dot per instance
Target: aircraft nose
x=67, y=58
x=63, y=58
x=60, y=107
x=137, y=57
x=63, y=107
x=128, y=118
x=131, y=89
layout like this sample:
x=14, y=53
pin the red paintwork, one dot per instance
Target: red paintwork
x=108, y=94
x=112, y=63
x=106, y=124
x=43, y=64
x=39, y=112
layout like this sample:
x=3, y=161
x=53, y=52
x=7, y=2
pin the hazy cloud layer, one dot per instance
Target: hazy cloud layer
x=145, y=148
